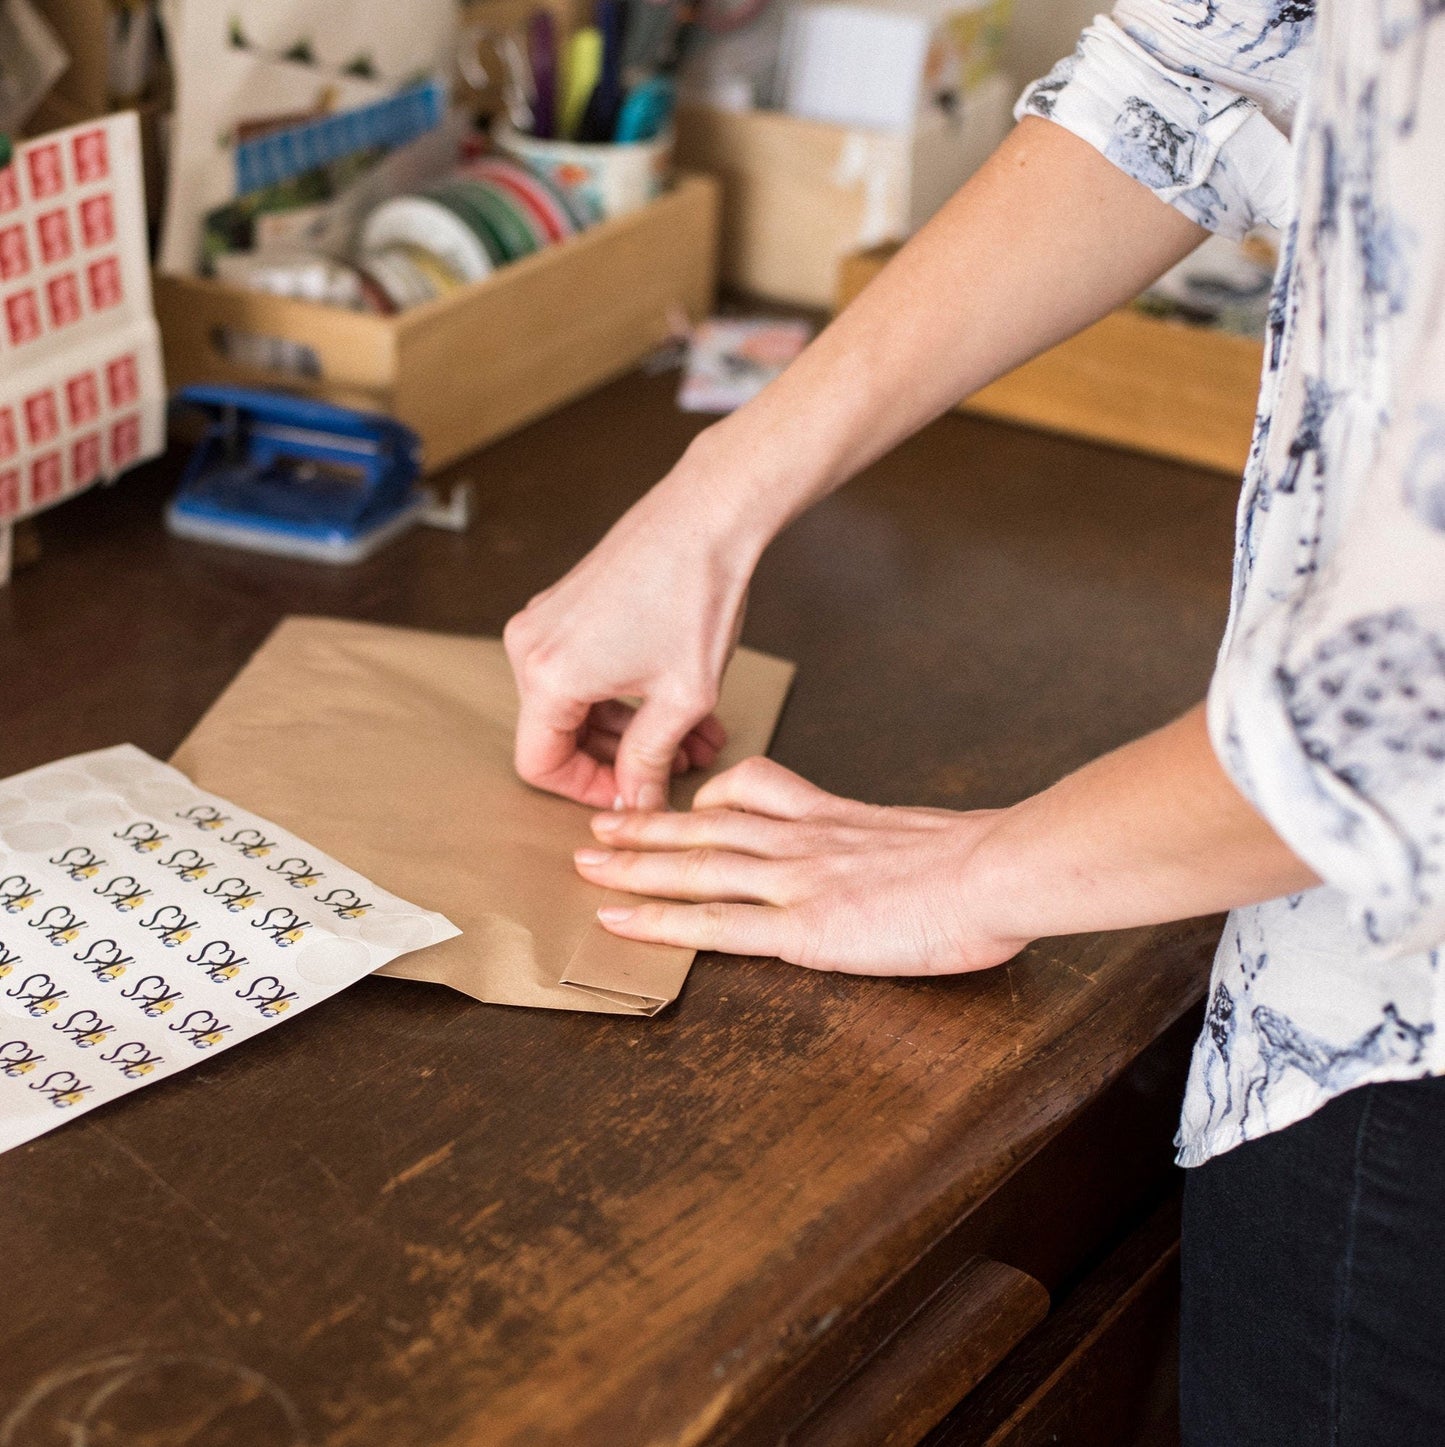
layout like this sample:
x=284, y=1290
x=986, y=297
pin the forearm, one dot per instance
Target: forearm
x=1154, y=831
x=1046, y=238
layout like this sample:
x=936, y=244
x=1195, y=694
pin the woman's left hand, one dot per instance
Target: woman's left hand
x=772, y=865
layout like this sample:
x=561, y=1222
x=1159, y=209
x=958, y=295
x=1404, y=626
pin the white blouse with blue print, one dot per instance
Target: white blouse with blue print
x=1327, y=706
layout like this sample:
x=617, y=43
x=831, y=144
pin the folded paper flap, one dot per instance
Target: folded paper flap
x=604, y=962
x=391, y=749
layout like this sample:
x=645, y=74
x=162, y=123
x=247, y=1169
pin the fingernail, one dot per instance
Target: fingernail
x=592, y=856
x=614, y=914
x=650, y=798
x=607, y=823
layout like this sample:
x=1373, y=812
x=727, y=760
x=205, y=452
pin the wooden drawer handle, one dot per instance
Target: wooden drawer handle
x=931, y=1362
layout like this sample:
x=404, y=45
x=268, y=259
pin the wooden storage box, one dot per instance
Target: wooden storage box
x=467, y=368
x=1131, y=380
x=799, y=195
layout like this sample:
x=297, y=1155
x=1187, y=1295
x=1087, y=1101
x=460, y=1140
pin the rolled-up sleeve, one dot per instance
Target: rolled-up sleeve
x=1329, y=711
x=1193, y=100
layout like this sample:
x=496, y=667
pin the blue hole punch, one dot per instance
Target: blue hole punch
x=281, y=474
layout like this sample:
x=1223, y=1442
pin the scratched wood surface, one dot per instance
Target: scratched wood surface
x=408, y=1219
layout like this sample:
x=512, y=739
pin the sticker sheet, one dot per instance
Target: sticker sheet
x=146, y=925
x=81, y=390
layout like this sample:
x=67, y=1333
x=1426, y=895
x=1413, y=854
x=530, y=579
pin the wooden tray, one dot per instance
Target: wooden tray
x=467, y=368
x=1132, y=380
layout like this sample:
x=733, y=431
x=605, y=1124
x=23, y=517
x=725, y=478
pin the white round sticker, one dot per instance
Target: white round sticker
x=36, y=838
x=396, y=932
x=331, y=963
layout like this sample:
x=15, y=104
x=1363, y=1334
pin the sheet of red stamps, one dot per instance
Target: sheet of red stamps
x=82, y=394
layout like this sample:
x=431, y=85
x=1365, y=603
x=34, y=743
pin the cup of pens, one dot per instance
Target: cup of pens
x=592, y=111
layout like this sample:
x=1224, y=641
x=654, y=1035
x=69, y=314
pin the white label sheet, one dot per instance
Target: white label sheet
x=146, y=924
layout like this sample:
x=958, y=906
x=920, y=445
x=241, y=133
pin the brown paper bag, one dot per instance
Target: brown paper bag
x=391, y=749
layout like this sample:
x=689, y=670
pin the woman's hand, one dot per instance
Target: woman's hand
x=653, y=612
x=1154, y=831
x=773, y=865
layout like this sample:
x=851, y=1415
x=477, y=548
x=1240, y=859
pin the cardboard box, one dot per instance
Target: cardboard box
x=467, y=368
x=1131, y=380
x=800, y=195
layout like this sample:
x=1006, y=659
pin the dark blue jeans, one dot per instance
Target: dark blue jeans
x=1314, y=1280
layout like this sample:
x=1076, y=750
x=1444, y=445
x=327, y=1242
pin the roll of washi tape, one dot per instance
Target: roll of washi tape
x=540, y=234
x=490, y=214
x=440, y=277
x=392, y=269
x=542, y=204
x=425, y=222
x=375, y=297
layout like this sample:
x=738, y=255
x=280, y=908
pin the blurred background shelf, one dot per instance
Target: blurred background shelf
x=1131, y=380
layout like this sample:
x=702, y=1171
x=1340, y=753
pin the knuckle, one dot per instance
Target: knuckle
x=652, y=753
x=800, y=878
x=690, y=694
x=755, y=770
x=698, y=864
x=714, y=917
x=544, y=671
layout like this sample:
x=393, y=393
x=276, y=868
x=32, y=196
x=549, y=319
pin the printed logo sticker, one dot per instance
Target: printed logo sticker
x=17, y=893
x=37, y=994
x=62, y=1088
x=17, y=1058
x=79, y=862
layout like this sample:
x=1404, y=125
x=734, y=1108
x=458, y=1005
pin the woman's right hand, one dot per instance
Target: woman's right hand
x=652, y=613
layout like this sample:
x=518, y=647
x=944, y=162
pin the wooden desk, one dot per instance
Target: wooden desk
x=412, y=1220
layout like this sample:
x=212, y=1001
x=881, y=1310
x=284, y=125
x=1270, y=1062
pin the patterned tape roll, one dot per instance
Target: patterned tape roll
x=493, y=218
x=426, y=223
x=541, y=202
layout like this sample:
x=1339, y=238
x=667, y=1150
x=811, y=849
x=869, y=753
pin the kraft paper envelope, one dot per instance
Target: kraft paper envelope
x=391, y=750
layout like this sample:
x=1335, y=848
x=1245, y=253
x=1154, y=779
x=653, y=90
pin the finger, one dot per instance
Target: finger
x=733, y=929
x=610, y=719
x=611, y=715
x=644, y=758
x=711, y=731
x=603, y=747
x=691, y=874
x=760, y=786
x=698, y=754
x=729, y=829
x=547, y=753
